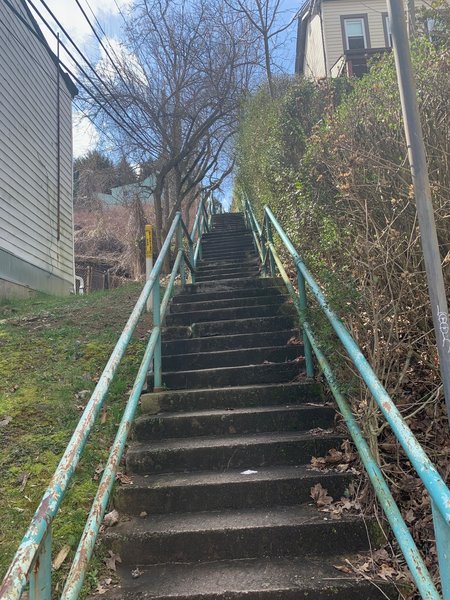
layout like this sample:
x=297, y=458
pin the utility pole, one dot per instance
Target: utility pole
x=422, y=191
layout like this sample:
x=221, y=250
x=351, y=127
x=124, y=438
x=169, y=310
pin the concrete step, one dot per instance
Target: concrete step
x=229, y=534
x=194, y=295
x=241, y=274
x=249, y=325
x=227, y=314
x=214, y=256
x=232, y=358
x=232, y=376
x=239, y=421
x=228, y=342
x=231, y=327
x=228, y=452
x=252, y=269
x=274, y=578
x=244, y=284
x=178, y=307
x=226, y=263
x=230, y=398
x=242, y=244
x=230, y=237
x=231, y=489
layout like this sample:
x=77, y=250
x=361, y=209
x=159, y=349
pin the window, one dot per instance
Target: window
x=355, y=32
x=387, y=30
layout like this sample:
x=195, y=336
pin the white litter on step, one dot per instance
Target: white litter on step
x=248, y=472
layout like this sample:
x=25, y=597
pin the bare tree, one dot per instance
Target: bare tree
x=263, y=17
x=183, y=72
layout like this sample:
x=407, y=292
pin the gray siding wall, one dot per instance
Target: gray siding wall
x=30, y=253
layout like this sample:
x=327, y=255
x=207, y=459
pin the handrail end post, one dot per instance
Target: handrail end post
x=41, y=575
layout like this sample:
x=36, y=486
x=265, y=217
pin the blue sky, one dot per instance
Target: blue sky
x=108, y=14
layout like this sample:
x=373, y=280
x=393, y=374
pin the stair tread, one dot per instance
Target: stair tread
x=250, y=577
x=238, y=369
x=246, y=320
x=236, y=351
x=228, y=310
x=229, y=477
x=229, y=520
x=236, y=411
x=230, y=440
x=289, y=385
x=222, y=343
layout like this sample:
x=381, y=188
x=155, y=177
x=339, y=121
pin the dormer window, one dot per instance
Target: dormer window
x=355, y=32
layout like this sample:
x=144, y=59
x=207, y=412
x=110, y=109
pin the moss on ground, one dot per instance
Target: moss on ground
x=52, y=352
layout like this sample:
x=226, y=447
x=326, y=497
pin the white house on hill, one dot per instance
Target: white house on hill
x=339, y=37
x=36, y=221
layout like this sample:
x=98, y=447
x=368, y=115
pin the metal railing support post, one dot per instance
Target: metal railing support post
x=303, y=307
x=270, y=241
x=442, y=535
x=157, y=323
x=199, y=233
x=264, y=249
x=41, y=574
x=191, y=259
x=180, y=247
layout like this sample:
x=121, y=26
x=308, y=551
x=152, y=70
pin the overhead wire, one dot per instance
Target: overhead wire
x=125, y=122
x=69, y=71
x=53, y=79
x=100, y=41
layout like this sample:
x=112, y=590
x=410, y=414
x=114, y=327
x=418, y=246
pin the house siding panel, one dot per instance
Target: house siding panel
x=314, y=63
x=28, y=161
x=332, y=10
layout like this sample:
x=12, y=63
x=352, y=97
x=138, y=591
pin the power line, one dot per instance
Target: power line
x=126, y=123
x=100, y=41
x=67, y=69
x=53, y=79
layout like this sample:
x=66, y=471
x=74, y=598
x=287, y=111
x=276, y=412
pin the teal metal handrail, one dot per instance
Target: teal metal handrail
x=32, y=563
x=433, y=482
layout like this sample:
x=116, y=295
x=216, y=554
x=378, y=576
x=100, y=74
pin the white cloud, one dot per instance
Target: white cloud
x=85, y=135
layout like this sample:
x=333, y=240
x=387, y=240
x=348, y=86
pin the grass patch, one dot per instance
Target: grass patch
x=52, y=352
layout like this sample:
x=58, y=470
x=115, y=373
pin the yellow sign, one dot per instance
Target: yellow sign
x=148, y=241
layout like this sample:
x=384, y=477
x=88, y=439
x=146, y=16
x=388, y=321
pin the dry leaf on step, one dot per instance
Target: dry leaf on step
x=111, y=519
x=320, y=496
x=111, y=560
x=343, y=568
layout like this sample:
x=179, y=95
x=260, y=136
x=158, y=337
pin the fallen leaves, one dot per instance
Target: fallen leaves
x=22, y=481
x=60, y=557
x=339, y=460
x=5, y=421
x=111, y=519
x=380, y=564
x=320, y=496
x=111, y=560
x=124, y=479
x=135, y=573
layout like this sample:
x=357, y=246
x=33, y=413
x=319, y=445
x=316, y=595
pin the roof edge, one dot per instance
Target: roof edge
x=72, y=88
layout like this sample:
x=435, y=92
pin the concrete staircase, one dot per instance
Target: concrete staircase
x=237, y=399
